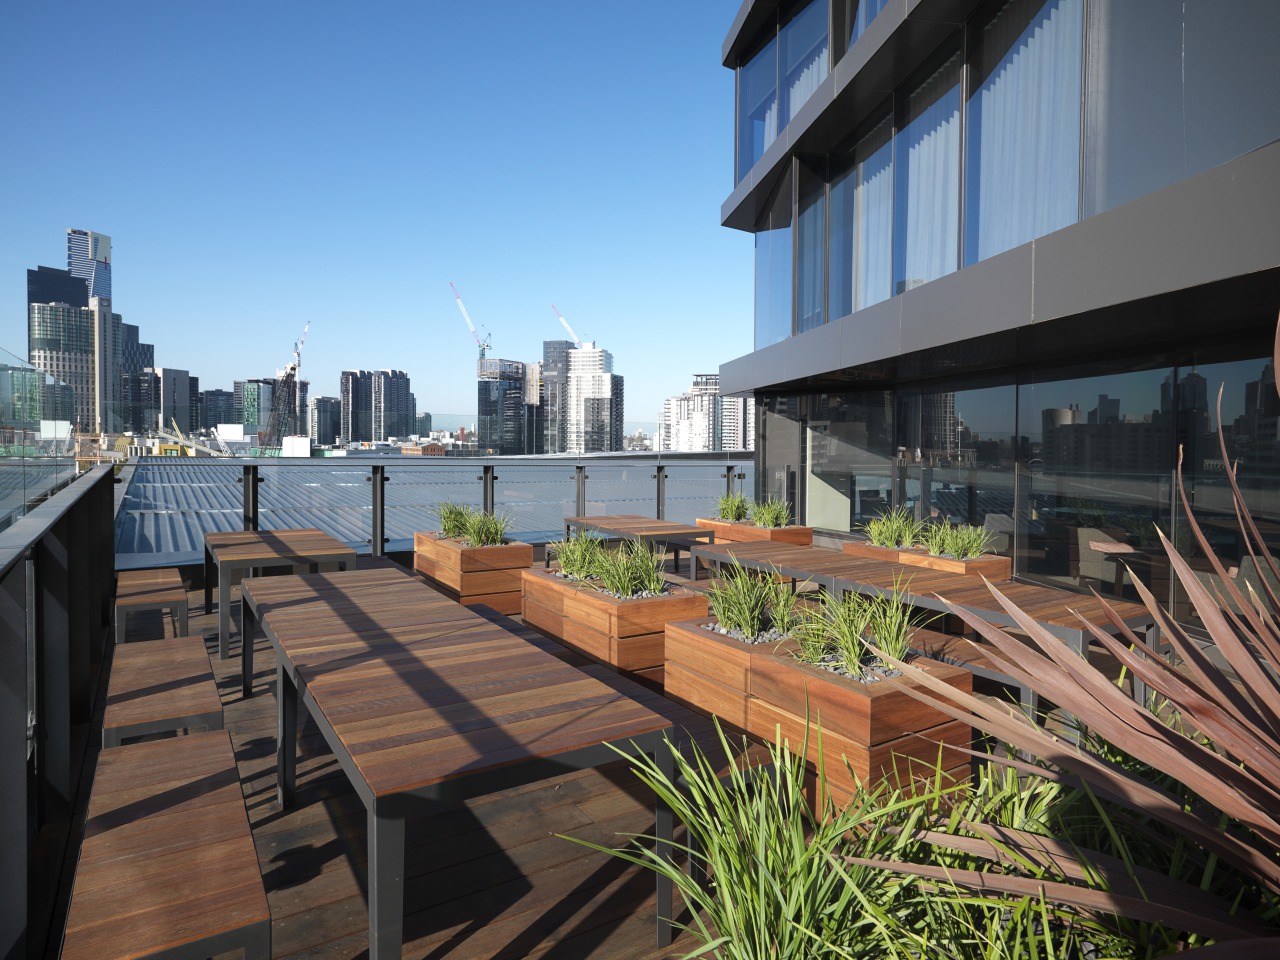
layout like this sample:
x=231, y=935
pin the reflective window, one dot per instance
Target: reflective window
x=803, y=55
x=798, y=54
x=757, y=106
x=773, y=269
x=926, y=229
x=849, y=458
x=1097, y=462
x=856, y=16
x=1250, y=414
x=1174, y=89
x=778, y=440
x=1022, y=169
x=811, y=254
x=861, y=248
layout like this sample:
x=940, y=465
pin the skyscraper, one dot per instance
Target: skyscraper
x=594, y=402
x=51, y=285
x=554, y=382
x=81, y=347
x=89, y=258
x=356, y=396
x=326, y=420
x=218, y=406
x=391, y=404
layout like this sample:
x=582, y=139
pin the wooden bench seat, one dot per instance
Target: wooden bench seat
x=160, y=686
x=168, y=866
x=158, y=589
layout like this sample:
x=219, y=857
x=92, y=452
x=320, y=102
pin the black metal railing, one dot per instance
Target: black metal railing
x=56, y=580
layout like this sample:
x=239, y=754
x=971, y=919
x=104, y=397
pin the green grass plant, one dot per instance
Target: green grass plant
x=897, y=528
x=733, y=507
x=771, y=512
x=631, y=569
x=485, y=529
x=578, y=556
x=840, y=629
x=795, y=880
x=740, y=600
x=453, y=518
x=967, y=542
x=936, y=538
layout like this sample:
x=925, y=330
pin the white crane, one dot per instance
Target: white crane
x=484, y=344
x=572, y=336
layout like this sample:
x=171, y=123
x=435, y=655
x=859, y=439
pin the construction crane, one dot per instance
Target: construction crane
x=572, y=336
x=484, y=344
x=284, y=417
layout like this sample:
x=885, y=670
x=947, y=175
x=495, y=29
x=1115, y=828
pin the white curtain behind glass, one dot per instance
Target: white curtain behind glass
x=804, y=57
x=1024, y=122
x=929, y=164
x=873, y=218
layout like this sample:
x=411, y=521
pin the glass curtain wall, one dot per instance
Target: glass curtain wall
x=849, y=462
x=1174, y=89
x=1098, y=455
x=861, y=225
x=1022, y=143
x=775, y=83
x=811, y=253
x=1250, y=414
x=757, y=106
x=854, y=16
x=802, y=55
x=927, y=190
x=773, y=269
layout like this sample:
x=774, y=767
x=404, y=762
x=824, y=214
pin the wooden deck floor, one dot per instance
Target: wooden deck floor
x=489, y=879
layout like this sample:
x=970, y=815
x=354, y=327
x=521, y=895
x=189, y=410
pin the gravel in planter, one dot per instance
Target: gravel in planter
x=769, y=636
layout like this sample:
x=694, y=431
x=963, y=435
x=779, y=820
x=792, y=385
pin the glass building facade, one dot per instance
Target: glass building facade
x=1000, y=131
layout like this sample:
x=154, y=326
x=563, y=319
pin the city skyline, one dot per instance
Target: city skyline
x=224, y=245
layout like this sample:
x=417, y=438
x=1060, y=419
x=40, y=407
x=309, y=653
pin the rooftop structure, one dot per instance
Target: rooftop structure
x=968, y=215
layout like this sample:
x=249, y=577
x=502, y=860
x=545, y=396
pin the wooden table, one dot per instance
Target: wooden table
x=629, y=526
x=423, y=700
x=234, y=552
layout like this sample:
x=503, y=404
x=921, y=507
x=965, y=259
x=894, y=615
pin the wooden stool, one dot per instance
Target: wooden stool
x=160, y=686
x=159, y=589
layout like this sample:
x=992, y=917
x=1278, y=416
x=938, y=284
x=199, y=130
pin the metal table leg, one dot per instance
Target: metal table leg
x=287, y=736
x=386, y=883
x=248, y=629
x=224, y=610
x=208, y=581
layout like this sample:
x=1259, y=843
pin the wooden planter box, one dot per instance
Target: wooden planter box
x=871, y=726
x=869, y=551
x=728, y=531
x=627, y=635
x=475, y=576
x=992, y=567
x=711, y=673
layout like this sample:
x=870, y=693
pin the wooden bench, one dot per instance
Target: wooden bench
x=168, y=866
x=159, y=589
x=160, y=686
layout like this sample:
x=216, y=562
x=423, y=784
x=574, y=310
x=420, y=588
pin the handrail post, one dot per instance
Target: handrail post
x=487, y=498
x=378, y=538
x=580, y=490
x=661, y=476
x=729, y=470
x=250, y=482
x=924, y=504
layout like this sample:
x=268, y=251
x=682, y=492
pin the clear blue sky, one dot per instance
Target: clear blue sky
x=259, y=164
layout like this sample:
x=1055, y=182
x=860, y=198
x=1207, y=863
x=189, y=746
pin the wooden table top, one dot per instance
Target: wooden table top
x=159, y=679
x=1047, y=605
x=247, y=546
x=421, y=690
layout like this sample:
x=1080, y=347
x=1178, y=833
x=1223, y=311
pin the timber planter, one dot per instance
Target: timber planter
x=627, y=635
x=475, y=576
x=991, y=566
x=730, y=531
x=711, y=672
x=865, y=727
